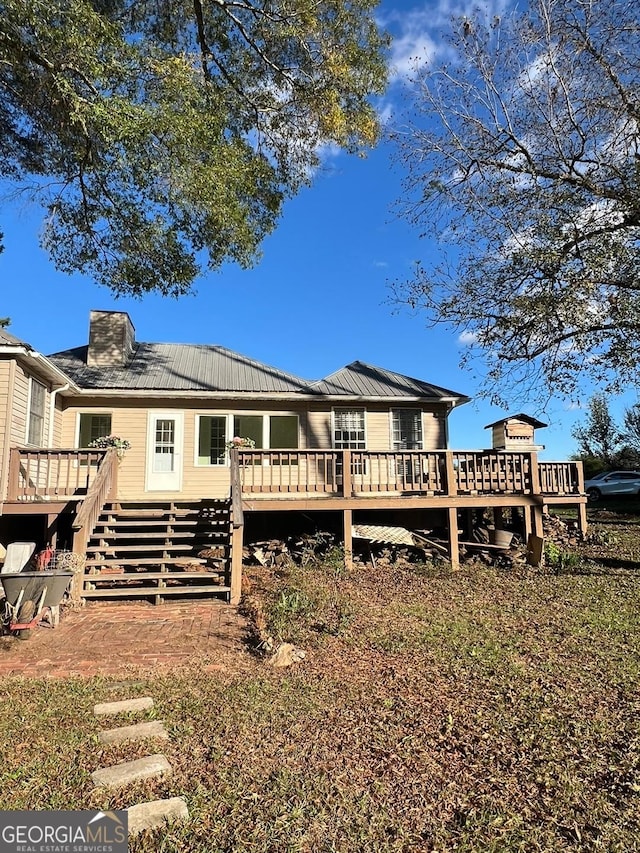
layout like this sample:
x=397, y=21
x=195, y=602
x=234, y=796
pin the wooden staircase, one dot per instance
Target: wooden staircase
x=150, y=550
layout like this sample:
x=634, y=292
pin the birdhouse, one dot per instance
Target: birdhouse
x=516, y=432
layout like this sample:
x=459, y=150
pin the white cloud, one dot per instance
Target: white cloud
x=467, y=338
x=417, y=33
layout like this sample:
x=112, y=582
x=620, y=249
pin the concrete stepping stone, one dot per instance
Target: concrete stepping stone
x=126, y=772
x=139, y=731
x=156, y=813
x=142, y=703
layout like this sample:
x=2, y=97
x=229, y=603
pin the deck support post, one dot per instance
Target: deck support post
x=528, y=528
x=52, y=530
x=498, y=518
x=536, y=521
x=454, y=540
x=468, y=523
x=348, y=539
x=237, y=544
x=79, y=547
x=582, y=519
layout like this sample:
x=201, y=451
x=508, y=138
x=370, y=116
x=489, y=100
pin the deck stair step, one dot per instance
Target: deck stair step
x=157, y=544
x=146, y=561
x=151, y=546
x=212, y=590
x=145, y=576
x=160, y=522
x=161, y=534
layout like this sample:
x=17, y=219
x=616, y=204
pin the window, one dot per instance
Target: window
x=275, y=432
x=283, y=432
x=249, y=426
x=406, y=427
x=349, y=434
x=348, y=429
x=37, y=399
x=93, y=426
x=212, y=437
x=164, y=446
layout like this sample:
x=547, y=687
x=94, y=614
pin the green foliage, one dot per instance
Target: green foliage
x=516, y=169
x=559, y=560
x=602, y=444
x=162, y=137
x=291, y=606
x=599, y=437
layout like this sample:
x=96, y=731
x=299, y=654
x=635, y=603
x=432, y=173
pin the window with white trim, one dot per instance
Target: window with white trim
x=269, y=432
x=406, y=429
x=212, y=438
x=37, y=402
x=349, y=429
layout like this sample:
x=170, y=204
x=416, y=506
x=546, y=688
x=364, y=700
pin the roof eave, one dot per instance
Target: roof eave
x=265, y=395
x=29, y=355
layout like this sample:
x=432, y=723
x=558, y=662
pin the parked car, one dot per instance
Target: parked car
x=613, y=483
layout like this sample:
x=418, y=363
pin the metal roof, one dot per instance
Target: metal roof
x=179, y=367
x=366, y=380
x=534, y=422
x=208, y=368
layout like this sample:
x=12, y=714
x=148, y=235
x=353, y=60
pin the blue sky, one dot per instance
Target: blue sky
x=317, y=299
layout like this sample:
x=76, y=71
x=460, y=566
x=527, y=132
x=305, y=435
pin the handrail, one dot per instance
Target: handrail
x=237, y=513
x=51, y=473
x=438, y=473
x=99, y=492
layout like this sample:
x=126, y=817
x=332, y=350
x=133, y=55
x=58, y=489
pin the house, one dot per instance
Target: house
x=363, y=439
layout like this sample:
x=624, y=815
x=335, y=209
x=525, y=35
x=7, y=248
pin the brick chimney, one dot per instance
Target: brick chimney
x=111, y=339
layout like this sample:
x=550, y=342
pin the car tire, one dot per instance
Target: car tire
x=594, y=494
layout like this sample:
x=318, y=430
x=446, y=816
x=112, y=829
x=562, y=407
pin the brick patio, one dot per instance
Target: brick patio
x=129, y=638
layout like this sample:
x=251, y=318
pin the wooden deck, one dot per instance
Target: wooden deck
x=444, y=477
x=84, y=481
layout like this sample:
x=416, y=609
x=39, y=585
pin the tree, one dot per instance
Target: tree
x=523, y=159
x=598, y=438
x=631, y=428
x=162, y=136
x=602, y=444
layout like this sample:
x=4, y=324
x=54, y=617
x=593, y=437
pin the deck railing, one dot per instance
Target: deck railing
x=439, y=473
x=51, y=475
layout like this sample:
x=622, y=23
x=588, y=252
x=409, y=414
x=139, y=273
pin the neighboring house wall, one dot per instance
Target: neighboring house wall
x=22, y=392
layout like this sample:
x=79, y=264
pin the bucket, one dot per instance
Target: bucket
x=500, y=537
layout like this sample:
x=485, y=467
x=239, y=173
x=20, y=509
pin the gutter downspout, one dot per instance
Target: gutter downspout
x=52, y=410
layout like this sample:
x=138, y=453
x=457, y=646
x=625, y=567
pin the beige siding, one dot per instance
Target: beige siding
x=318, y=426
x=14, y=405
x=20, y=394
x=57, y=424
x=5, y=425
x=129, y=419
x=5, y=369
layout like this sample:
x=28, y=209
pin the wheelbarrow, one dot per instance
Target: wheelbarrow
x=30, y=597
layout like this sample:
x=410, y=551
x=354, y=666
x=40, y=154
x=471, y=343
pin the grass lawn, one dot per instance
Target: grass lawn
x=481, y=711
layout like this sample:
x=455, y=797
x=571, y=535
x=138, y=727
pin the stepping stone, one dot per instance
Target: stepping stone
x=140, y=704
x=139, y=731
x=156, y=813
x=131, y=771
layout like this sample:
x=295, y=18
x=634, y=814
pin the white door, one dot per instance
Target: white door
x=164, y=451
